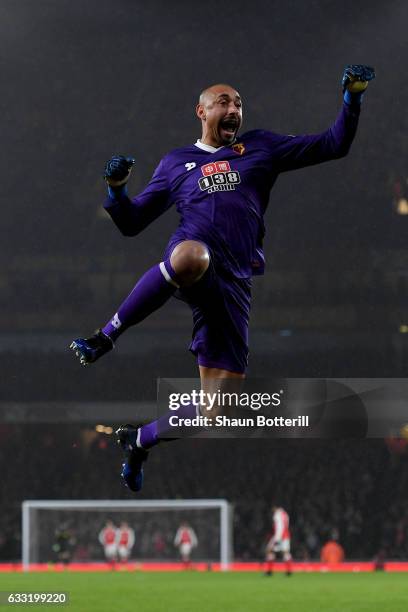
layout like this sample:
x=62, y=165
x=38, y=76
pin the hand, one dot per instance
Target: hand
x=356, y=78
x=117, y=170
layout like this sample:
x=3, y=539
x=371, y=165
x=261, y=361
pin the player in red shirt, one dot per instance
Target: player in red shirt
x=108, y=539
x=279, y=542
x=185, y=541
x=125, y=541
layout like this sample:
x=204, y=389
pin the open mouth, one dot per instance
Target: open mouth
x=229, y=126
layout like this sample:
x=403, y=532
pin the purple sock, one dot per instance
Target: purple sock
x=152, y=433
x=155, y=287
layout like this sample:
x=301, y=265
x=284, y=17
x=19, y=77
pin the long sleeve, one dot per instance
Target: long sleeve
x=194, y=541
x=131, y=216
x=131, y=541
x=292, y=152
x=177, y=537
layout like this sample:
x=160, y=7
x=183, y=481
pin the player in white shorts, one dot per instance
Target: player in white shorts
x=108, y=539
x=125, y=541
x=279, y=542
x=185, y=541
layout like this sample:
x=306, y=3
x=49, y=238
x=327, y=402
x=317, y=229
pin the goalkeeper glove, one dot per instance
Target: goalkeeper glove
x=117, y=173
x=355, y=82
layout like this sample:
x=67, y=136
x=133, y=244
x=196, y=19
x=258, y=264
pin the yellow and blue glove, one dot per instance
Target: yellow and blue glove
x=355, y=81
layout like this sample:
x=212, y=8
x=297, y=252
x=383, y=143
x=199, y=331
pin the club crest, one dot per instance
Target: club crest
x=238, y=148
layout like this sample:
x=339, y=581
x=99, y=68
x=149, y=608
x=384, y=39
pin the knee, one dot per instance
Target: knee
x=189, y=260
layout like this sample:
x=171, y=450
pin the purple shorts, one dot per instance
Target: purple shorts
x=220, y=305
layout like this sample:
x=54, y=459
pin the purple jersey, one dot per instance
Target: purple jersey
x=222, y=193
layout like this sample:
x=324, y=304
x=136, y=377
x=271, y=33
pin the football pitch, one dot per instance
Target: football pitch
x=216, y=592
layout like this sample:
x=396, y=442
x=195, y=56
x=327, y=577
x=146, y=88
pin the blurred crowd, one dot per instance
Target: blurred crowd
x=353, y=289
x=357, y=489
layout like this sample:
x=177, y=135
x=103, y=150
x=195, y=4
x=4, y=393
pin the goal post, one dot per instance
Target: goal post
x=31, y=525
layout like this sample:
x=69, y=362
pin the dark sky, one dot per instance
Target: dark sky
x=83, y=80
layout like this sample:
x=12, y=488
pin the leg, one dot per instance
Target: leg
x=137, y=441
x=220, y=336
x=221, y=313
x=269, y=560
x=216, y=379
x=185, y=551
x=187, y=264
x=111, y=555
x=287, y=557
x=212, y=380
x=123, y=554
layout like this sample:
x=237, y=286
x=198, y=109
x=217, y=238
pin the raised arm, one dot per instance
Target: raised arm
x=132, y=215
x=292, y=152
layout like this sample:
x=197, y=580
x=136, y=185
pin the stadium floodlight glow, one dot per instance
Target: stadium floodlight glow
x=30, y=526
x=402, y=206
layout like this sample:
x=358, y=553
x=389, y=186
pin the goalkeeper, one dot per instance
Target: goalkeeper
x=220, y=186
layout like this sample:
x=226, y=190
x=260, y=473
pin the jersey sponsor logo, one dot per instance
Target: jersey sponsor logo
x=221, y=166
x=218, y=176
x=239, y=148
x=190, y=165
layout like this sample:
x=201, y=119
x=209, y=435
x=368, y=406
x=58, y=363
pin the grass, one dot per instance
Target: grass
x=217, y=592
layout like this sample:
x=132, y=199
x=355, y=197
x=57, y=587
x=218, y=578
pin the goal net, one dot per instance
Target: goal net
x=68, y=530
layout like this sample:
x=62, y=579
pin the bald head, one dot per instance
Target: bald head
x=220, y=110
x=208, y=94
